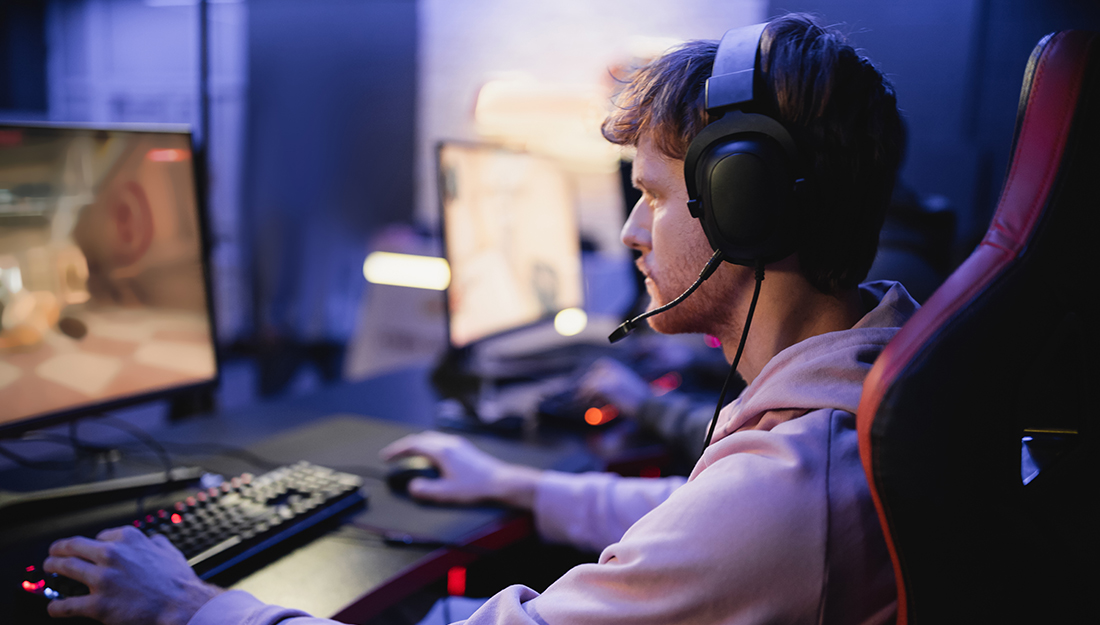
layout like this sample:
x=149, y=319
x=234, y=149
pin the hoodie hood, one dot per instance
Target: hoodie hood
x=824, y=371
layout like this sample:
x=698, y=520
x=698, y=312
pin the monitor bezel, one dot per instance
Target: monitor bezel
x=14, y=429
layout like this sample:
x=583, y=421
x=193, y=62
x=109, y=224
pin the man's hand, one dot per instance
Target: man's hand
x=467, y=474
x=610, y=381
x=132, y=579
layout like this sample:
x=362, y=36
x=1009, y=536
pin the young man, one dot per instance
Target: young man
x=775, y=523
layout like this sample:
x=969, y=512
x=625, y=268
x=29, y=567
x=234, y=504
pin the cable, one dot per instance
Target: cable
x=398, y=538
x=737, y=357
x=40, y=465
x=139, y=434
x=259, y=462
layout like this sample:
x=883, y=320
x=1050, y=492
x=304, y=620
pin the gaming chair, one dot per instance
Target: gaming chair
x=977, y=429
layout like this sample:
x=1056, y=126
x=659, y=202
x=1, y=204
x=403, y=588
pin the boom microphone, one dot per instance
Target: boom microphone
x=628, y=326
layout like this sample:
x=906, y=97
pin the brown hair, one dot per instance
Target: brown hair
x=840, y=110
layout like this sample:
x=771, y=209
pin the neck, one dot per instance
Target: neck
x=790, y=310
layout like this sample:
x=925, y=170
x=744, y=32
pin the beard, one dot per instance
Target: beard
x=703, y=311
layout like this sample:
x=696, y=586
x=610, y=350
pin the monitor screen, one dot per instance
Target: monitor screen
x=511, y=239
x=103, y=297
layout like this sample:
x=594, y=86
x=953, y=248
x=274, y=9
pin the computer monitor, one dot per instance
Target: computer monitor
x=511, y=239
x=104, y=292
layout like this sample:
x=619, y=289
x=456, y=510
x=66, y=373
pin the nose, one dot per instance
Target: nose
x=637, y=231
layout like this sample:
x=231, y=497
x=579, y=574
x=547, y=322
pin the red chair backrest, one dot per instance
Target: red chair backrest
x=1006, y=348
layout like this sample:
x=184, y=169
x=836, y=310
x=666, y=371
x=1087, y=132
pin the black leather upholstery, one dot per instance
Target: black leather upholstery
x=1007, y=348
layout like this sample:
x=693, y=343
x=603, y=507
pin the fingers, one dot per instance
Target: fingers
x=161, y=542
x=80, y=547
x=125, y=533
x=73, y=606
x=422, y=488
x=442, y=491
x=428, y=443
x=73, y=568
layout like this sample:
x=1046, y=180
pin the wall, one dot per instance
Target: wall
x=568, y=42
x=331, y=130
x=957, y=66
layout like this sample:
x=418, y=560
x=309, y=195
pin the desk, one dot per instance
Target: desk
x=346, y=572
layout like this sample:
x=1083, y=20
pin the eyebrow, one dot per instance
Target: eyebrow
x=641, y=184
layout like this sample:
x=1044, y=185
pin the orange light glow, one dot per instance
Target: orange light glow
x=599, y=416
x=456, y=581
x=167, y=155
x=593, y=416
x=177, y=518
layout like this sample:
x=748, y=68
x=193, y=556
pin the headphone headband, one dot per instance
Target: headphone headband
x=740, y=171
x=732, y=80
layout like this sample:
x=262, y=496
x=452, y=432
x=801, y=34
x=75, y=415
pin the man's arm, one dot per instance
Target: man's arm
x=590, y=510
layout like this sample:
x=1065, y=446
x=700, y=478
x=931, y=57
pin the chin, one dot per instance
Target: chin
x=697, y=314
x=678, y=320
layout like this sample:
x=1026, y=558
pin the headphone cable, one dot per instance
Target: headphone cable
x=737, y=357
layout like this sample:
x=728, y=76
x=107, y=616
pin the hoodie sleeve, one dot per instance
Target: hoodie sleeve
x=593, y=510
x=237, y=607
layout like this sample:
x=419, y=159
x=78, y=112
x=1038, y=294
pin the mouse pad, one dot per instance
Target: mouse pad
x=351, y=443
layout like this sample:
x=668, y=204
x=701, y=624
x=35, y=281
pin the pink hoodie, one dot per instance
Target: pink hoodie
x=775, y=524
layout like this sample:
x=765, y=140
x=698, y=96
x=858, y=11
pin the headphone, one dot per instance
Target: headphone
x=740, y=170
x=740, y=176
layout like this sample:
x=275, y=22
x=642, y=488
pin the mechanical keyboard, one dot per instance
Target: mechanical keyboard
x=225, y=525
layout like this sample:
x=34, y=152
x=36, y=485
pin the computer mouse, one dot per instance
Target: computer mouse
x=402, y=470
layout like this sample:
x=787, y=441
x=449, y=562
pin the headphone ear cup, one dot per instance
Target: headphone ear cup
x=740, y=177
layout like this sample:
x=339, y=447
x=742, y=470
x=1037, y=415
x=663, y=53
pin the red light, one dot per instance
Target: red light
x=40, y=584
x=176, y=518
x=29, y=586
x=10, y=138
x=167, y=155
x=456, y=581
x=667, y=382
x=712, y=341
x=30, y=568
x=137, y=522
x=150, y=518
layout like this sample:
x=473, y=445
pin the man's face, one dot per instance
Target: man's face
x=673, y=246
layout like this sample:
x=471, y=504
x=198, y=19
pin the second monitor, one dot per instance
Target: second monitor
x=511, y=239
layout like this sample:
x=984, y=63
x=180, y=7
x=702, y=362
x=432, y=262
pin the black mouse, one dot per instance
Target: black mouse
x=404, y=469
